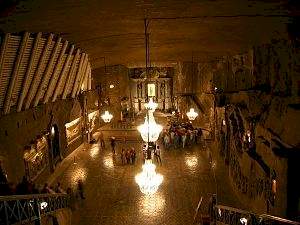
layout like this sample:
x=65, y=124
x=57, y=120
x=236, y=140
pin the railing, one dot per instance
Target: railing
x=28, y=208
x=232, y=216
x=122, y=126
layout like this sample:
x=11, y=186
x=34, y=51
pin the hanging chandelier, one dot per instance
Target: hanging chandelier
x=106, y=117
x=151, y=105
x=148, y=180
x=150, y=130
x=192, y=114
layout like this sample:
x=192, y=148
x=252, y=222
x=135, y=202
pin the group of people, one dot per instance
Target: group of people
x=181, y=135
x=128, y=156
x=29, y=187
x=155, y=153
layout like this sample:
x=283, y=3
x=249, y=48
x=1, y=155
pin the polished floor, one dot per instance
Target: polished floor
x=113, y=197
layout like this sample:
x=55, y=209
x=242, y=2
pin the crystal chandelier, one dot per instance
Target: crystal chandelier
x=106, y=117
x=148, y=180
x=192, y=114
x=150, y=130
x=151, y=105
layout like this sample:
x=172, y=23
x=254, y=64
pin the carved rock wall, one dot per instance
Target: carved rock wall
x=20, y=129
x=117, y=76
x=261, y=89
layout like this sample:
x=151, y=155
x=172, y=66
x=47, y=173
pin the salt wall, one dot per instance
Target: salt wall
x=23, y=129
x=258, y=99
x=253, y=95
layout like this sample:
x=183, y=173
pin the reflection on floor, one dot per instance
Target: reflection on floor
x=113, y=197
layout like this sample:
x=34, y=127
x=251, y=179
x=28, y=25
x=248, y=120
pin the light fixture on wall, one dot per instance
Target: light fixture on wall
x=106, y=117
x=192, y=114
x=111, y=86
x=148, y=180
x=52, y=131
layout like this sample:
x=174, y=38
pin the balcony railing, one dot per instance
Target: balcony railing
x=29, y=208
x=232, y=216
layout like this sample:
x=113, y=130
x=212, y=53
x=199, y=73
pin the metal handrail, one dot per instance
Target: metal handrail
x=234, y=216
x=279, y=219
x=25, y=208
x=22, y=197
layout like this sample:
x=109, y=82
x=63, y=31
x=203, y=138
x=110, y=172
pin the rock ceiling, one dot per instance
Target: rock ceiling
x=114, y=29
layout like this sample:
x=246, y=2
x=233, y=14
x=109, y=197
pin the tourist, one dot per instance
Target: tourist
x=59, y=189
x=127, y=155
x=22, y=188
x=102, y=143
x=123, y=156
x=166, y=140
x=200, y=133
x=80, y=189
x=113, y=144
x=3, y=176
x=157, y=154
x=47, y=190
x=133, y=155
x=72, y=198
x=183, y=138
x=4, y=187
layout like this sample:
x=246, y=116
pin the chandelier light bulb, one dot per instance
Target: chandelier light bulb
x=192, y=114
x=150, y=129
x=106, y=117
x=148, y=180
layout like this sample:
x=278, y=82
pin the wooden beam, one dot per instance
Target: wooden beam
x=89, y=78
x=2, y=56
x=70, y=77
x=2, y=53
x=83, y=74
x=45, y=79
x=55, y=75
x=77, y=79
x=15, y=73
x=62, y=75
x=27, y=80
x=38, y=72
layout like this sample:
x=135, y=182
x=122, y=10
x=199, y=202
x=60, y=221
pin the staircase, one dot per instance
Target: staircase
x=29, y=209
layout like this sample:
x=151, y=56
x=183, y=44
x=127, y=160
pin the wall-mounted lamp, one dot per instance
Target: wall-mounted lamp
x=52, y=131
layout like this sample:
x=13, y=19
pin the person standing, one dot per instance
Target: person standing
x=166, y=140
x=102, y=143
x=59, y=189
x=200, y=135
x=123, y=156
x=133, y=155
x=4, y=187
x=113, y=144
x=183, y=137
x=80, y=189
x=157, y=154
x=3, y=176
x=127, y=155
